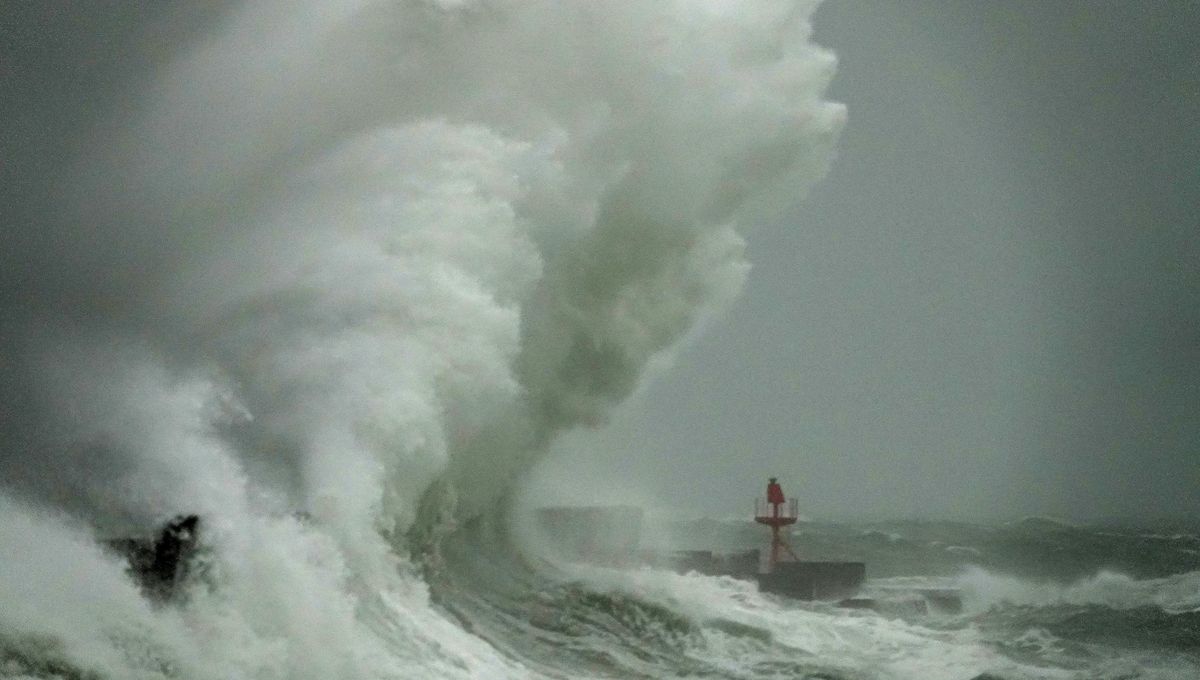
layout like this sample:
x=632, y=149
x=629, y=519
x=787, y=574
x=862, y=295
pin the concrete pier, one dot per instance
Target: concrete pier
x=814, y=580
x=610, y=535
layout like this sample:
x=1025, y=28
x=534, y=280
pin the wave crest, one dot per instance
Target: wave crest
x=1179, y=593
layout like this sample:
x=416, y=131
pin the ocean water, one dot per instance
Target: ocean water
x=333, y=274
x=1041, y=599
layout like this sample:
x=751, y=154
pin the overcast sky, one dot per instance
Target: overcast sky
x=991, y=306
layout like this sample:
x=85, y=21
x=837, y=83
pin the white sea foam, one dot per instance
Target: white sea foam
x=1177, y=593
x=854, y=642
x=335, y=252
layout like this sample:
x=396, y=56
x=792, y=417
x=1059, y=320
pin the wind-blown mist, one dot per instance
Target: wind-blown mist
x=338, y=257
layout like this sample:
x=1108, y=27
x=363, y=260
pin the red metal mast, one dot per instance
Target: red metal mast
x=781, y=513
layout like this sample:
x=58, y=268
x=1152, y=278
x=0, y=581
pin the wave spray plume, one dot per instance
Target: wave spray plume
x=332, y=258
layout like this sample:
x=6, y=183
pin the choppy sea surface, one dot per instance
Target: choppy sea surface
x=1041, y=599
x=334, y=275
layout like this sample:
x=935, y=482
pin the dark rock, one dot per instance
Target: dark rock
x=162, y=563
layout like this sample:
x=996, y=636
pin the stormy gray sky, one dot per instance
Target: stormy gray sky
x=989, y=309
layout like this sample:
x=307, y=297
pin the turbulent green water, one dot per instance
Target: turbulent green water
x=1041, y=600
x=334, y=275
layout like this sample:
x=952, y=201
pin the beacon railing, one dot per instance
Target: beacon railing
x=787, y=510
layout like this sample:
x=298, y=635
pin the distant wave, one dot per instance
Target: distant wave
x=1175, y=594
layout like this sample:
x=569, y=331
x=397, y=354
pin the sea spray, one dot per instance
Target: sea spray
x=333, y=255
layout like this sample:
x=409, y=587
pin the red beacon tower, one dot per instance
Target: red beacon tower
x=776, y=512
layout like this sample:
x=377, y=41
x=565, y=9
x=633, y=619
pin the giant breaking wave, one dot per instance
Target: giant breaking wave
x=332, y=274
